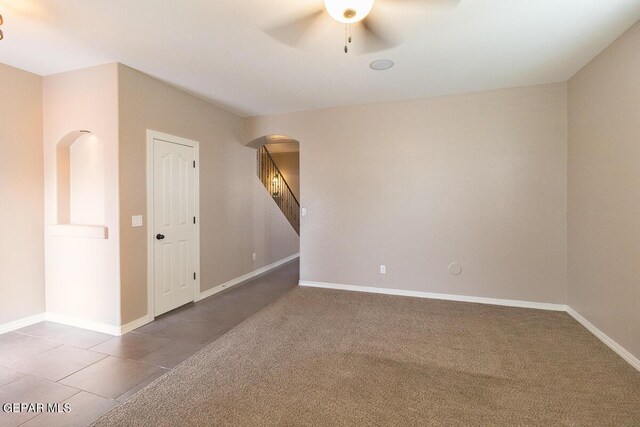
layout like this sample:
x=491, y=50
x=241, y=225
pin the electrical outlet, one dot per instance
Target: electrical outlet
x=383, y=269
x=303, y=211
x=254, y=256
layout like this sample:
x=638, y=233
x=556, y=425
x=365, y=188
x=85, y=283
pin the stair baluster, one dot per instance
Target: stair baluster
x=278, y=188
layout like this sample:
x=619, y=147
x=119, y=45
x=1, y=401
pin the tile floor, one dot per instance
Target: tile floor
x=94, y=372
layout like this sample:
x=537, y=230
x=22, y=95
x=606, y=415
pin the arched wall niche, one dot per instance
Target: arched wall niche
x=80, y=186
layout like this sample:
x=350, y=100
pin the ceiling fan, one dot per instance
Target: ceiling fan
x=353, y=13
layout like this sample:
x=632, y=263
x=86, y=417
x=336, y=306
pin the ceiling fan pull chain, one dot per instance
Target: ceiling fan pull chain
x=346, y=38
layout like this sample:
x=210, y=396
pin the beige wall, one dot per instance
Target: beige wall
x=237, y=215
x=289, y=166
x=604, y=191
x=21, y=193
x=478, y=179
x=82, y=273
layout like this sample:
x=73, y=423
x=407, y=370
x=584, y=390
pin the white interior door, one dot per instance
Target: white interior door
x=174, y=202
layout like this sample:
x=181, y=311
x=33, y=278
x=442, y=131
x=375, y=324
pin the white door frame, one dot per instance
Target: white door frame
x=151, y=136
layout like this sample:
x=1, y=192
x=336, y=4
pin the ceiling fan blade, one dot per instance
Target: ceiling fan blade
x=375, y=38
x=292, y=32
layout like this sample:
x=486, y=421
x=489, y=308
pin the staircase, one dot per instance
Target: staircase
x=278, y=188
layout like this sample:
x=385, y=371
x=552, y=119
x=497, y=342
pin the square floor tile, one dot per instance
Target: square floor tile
x=133, y=345
x=159, y=324
x=215, y=318
x=84, y=407
x=65, y=334
x=31, y=390
x=58, y=363
x=196, y=332
x=44, y=329
x=110, y=377
x=196, y=313
x=171, y=354
x=126, y=396
x=8, y=376
x=16, y=347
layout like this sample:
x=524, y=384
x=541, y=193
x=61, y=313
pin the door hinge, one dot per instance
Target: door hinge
x=194, y=219
x=194, y=276
x=194, y=164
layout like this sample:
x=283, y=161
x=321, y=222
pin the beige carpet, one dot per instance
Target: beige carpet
x=332, y=358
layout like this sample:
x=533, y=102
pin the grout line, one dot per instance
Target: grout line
x=81, y=369
x=33, y=357
x=97, y=395
x=39, y=338
x=147, y=378
x=161, y=370
x=52, y=382
x=57, y=341
x=12, y=381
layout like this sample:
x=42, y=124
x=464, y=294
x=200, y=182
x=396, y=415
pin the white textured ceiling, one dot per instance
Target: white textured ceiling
x=217, y=49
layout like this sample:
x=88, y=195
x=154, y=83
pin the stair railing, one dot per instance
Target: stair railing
x=278, y=188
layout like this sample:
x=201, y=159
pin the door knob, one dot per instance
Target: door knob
x=160, y=236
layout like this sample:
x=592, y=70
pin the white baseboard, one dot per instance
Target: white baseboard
x=620, y=350
x=245, y=277
x=430, y=295
x=121, y=330
x=21, y=323
x=74, y=321
x=98, y=326
x=91, y=325
x=135, y=324
x=613, y=345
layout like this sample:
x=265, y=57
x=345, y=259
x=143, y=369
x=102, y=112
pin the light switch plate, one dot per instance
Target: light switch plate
x=136, y=221
x=304, y=212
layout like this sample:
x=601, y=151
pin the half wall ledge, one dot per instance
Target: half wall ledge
x=79, y=231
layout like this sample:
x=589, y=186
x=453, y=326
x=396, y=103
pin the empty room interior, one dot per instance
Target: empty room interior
x=320, y=213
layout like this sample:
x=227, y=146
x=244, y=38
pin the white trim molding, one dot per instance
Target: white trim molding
x=246, y=277
x=62, y=319
x=135, y=324
x=613, y=345
x=430, y=295
x=91, y=325
x=114, y=330
x=21, y=323
x=121, y=330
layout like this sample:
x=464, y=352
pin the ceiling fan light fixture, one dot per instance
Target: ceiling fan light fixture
x=348, y=11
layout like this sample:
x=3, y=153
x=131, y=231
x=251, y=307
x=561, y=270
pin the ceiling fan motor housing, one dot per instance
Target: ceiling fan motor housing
x=348, y=11
x=349, y=14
